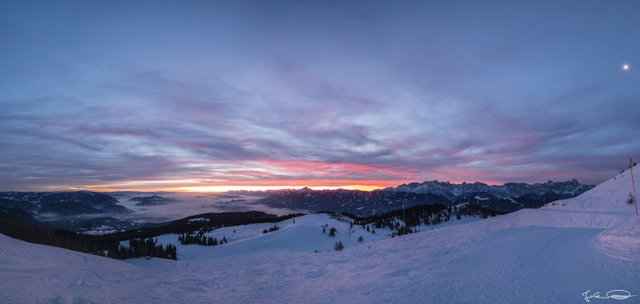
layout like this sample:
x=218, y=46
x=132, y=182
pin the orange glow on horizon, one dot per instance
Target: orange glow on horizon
x=263, y=175
x=219, y=186
x=218, y=189
x=247, y=186
x=214, y=189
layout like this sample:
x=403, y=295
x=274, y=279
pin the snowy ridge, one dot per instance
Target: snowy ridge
x=451, y=191
x=548, y=255
x=609, y=196
x=606, y=206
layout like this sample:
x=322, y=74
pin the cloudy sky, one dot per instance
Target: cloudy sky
x=214, y=95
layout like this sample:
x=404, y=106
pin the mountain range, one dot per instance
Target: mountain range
x=85, y=210
x=504, y=198
x=62, y=203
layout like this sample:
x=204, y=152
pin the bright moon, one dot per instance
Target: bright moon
x=625, y=67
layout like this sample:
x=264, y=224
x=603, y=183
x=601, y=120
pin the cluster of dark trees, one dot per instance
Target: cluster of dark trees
x=402, y=221
x=332, y=231
x=338, y=246
x=98, y=245
x=144, y=248
x=200, y=239
x=19, y=224
x=39, y=234
x=271, y=229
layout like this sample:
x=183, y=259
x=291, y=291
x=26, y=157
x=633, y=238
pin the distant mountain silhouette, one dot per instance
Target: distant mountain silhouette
x=505, y=198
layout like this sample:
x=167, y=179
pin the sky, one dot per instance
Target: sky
x=220, y=95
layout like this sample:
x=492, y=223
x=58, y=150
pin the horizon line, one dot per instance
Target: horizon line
x=256, y=188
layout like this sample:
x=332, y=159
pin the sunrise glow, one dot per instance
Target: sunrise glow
x=218, y=189
x=126, y=101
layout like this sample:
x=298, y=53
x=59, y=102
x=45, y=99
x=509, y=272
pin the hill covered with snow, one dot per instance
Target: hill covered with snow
x=565, y=252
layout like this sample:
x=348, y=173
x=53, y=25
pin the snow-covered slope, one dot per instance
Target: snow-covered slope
x=609, y=197
x=32, y=273
x=609, y=207
x=550, y=255
x=302, y=235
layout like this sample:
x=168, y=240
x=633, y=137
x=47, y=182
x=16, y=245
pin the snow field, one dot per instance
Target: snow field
x=548, y=255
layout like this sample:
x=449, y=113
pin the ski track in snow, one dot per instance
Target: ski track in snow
x=547, y=255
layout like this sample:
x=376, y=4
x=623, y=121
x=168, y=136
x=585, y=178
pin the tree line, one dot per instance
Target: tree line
x=200, y=239
x=19, y=224
x=404, y=221
x=144, y=248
